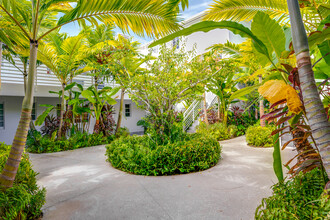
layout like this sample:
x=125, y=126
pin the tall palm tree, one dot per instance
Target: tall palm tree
x=144, y=17
x=315, y=111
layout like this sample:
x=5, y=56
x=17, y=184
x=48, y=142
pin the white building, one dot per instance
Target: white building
x=12, y=93
x=12, y=86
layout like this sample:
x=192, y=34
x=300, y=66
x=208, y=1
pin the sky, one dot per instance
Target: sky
x=195, y=7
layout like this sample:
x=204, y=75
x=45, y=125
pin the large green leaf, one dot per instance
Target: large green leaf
x=88, y=94
x=277, y=161
x=325, y=50
x=269, y=32
x=40, y=120
x=242, y=92
x=206, y=26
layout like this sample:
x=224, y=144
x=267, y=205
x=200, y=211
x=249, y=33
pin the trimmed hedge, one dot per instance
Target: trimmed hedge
x=260, y=136
x=299, y=198
x=139, y=155
x=25, y=199
x=218, y=131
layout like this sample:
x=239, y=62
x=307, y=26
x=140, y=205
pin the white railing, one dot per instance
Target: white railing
x=191, y=114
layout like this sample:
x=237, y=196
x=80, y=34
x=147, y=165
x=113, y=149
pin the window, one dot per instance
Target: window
x=128, y=110
x=176, y=43
x=2, y=117
x=33, y=113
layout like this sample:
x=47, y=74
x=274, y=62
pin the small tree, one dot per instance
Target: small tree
x=169, y=80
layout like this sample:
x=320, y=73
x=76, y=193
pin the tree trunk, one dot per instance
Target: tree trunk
x=219, y=112
x=120, y=113
x=62, y=112
x=315, y=111
x=261, y=108
x=9, y=171
x=205, y=109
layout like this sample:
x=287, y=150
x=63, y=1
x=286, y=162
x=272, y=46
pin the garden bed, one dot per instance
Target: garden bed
x=140, y=155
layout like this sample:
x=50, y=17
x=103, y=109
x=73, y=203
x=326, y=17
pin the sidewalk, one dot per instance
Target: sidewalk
x=82, y=185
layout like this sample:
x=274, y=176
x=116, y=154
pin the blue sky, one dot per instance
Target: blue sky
x=195, y=7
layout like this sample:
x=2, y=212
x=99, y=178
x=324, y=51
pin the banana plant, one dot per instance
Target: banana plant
x=98, y=99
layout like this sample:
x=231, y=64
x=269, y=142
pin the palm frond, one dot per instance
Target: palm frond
x=245, y=10
x=144, y=17
x=229, y=48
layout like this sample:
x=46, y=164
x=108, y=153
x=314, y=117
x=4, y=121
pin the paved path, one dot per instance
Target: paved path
x=82, y=185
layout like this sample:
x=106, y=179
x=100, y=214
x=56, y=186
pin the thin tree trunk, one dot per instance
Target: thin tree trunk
x=9, y=171
x=120, y=113
x=205, y=109
x=62, y=112
x=219, y=112
x=261, y=108
x=315, y=111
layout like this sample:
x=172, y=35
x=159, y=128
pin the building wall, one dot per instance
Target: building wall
x=13, y=104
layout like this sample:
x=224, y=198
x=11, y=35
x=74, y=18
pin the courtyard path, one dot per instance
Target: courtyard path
x=82, y=185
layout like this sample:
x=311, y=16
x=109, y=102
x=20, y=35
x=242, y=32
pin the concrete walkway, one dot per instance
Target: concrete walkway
x=82, y=185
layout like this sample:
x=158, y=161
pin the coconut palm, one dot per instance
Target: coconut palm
x=315, y=111
x=144, y=17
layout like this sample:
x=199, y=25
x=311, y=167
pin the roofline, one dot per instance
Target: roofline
x=186, y=23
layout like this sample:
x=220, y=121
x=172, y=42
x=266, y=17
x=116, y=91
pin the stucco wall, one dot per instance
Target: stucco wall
x=12, y=107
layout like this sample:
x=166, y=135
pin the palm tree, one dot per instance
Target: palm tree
x=144, y=17
x=62, y=55
x=315, y=111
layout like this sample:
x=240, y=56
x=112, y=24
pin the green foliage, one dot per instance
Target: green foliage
x=141, y=155
x=25, y=199
x=260, y=136
x=36, y=143
x=241, y=119
x=218, y=131
x=298, y=198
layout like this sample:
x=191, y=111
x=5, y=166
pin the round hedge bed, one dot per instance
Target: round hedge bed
x=140, y=155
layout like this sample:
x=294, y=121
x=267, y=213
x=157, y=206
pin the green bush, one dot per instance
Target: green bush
x=141, y=155
x=260, y=136
x=218, y=131
x=36, y=143
x=25, y=199
x=298, y=198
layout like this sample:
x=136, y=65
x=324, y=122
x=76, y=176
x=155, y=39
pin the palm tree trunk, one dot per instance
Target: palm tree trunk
x=261, y=108
x=205, y=109
x=120, y=113
x=9, y=171
x=315, y=111
x=62, y=112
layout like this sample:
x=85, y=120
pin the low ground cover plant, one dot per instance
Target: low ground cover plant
x=260, y=136
x=25, y=199
x=37, y=143
x=218, y=131
x=301, y=198
x=142, y=155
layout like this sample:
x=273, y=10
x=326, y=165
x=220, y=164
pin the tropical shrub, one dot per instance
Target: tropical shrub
x=260, y=136
x=299, y=198
x=36, y=143
x=25, y=199
x=141, y=155
x=218, y=131
x=241, y=119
